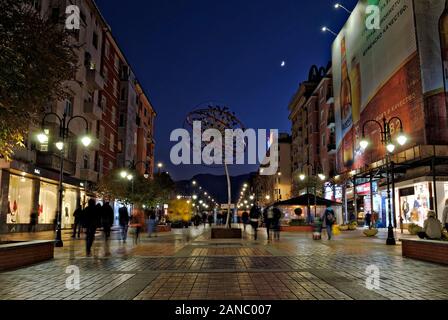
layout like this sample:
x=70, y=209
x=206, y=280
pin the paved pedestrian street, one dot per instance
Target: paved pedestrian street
x=188, y=265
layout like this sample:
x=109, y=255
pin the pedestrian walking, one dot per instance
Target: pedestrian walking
x=204, y=219
x=152, y=223
x=92, y=217
x=123, y=220
x=107, y=219
x=77, y=226
x=368, y=219
x=329, y=219
x=276, y=222
x=445, y=215
x=137, y=223
x=245, y=219
x=254, y=219
x=210, y=219
x=33, y=221
x=268, y=217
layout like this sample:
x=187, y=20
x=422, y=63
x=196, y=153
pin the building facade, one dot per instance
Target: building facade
x=29, y=183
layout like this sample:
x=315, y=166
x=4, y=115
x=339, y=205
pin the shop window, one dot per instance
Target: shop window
x=69, y=207
x=19, y=200
x=47, y=202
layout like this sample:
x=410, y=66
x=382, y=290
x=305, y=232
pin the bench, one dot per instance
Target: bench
x=21, y=254
x=426, y=250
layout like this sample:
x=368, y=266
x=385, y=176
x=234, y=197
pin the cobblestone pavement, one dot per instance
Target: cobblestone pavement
x=187, y=264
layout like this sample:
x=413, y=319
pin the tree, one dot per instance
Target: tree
x=139, y=191
x=36, y=60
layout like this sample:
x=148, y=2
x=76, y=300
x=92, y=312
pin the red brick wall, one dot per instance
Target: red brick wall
x=426, y=251
x=20, y=256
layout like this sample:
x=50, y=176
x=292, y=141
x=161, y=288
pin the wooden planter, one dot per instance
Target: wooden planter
x=426, y=250
x=297, y=228
x=224, y=233
x=164, y=228
x=20, y=254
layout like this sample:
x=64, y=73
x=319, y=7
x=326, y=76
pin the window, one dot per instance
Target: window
x=111, y=165
x=101, y=137
x=123, y=94
x=68, y=108
x=115, y=88
x=138, y=121
x=120, y=146
x=146, y=113
x=19, y=199
x=86, y=161
x=122, y=120
x=55, y=14
x=95, y=40
x=105, y=74
x=117, y=63
x=107, y=50
x=100, y=164
x=112, y=142
x=323, y=139
x=114, y=115
x=103, y=103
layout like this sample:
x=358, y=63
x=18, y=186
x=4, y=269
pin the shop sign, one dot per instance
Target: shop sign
x=363, y=189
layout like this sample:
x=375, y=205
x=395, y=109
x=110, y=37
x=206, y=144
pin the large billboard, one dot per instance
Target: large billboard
x=377, y=74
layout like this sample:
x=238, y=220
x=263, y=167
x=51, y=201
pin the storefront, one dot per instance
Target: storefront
x=33, y=191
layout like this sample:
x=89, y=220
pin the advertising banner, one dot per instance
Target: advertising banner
x=376, y=75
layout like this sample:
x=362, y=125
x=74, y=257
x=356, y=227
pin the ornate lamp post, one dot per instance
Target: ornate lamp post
x=386, y=139
x=86, y=140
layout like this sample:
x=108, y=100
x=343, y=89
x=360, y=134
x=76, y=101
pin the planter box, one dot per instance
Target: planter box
x=224, y=233
x=426, y=250
x=297, y=228
x=21, y=254
x=162, y=228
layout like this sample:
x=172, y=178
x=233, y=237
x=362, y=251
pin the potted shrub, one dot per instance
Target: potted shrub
x=370, y=232
x=353, y=225
x=343, y=227
x=414, y=229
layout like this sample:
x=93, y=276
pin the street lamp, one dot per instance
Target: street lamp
x=64, y=125
x=338, y=5
x=386, y=139
x=326, y=29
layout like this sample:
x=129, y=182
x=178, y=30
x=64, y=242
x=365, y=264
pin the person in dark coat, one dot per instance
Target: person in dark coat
x=123, y=220
x=107, y=219
x=245, y=218
x=368, y=219
x=33, y=221
x=77, y=223
x=276, y=222
x=254, y=219
x=92, y=220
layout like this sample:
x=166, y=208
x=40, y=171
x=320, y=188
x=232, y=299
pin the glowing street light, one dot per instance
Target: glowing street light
x=338, y=5
x=326, y=29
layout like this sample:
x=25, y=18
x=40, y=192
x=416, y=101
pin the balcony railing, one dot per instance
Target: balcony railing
x=89, y=175
x=93, y=110
x=52, y=161
x=94, y=79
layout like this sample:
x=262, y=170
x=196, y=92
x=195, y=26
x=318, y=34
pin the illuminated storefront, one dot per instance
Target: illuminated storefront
x=20, y=195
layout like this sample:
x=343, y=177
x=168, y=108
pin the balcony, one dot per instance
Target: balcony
x=89, y=175
x=51, y=161
x=331, y=148
x=94, y=79
x=331, y=122
x=92, y=110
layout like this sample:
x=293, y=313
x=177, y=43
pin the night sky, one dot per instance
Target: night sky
x=189, y=52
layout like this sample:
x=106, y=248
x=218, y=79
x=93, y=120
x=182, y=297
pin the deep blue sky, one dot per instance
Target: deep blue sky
x=186, y=52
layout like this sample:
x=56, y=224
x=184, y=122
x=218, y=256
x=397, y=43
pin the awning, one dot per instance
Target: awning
x=306, y=199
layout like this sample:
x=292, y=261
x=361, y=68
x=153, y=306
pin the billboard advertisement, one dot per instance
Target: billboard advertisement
x=378, y=73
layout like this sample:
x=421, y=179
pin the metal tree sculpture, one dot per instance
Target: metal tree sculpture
x=221, y=119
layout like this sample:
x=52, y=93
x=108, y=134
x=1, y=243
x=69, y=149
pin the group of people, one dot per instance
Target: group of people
x=433, y=227
x=270, y=217
x=91, y=218
x=95, y=216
